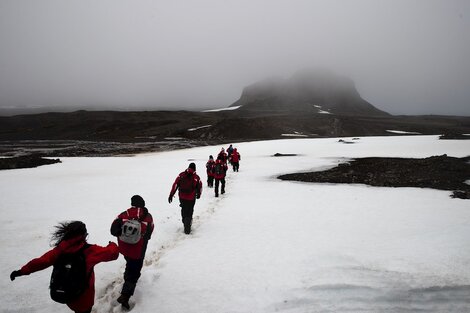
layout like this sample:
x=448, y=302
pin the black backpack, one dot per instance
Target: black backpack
x=218, y=168
x=186, y=183
x=69, y=277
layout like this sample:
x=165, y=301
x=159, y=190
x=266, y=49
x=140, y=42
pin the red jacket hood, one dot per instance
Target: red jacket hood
x=72, y=245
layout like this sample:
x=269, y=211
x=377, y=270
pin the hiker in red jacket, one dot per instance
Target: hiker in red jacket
x=189, y=188
x=210, y=171
x=220, y=168
x=132, y=243
x=235, y=160
x=70, y=237
x=223, y=155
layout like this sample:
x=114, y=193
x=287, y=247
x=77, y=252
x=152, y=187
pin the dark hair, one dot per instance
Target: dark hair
x=67, y=230
x=192, y=165
x=137, y=201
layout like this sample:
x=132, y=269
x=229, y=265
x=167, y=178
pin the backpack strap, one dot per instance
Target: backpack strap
x=82, y=250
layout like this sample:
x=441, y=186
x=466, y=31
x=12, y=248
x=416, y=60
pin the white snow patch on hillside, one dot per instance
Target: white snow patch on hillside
x=200, y=127
x=402, y=132
x=294, y=135
x=320, y=111
x=223, y=109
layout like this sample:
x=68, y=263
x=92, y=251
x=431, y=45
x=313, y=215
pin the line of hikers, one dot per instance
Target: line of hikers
x=216, y=170
x=73, y=258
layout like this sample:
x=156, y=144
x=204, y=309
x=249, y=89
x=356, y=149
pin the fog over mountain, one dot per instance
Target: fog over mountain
x=404, y=57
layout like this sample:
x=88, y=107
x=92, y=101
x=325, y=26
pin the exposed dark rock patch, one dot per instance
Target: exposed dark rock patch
x=454, y=136
x=345, y=141
x=284, y=154
x=438, y=172
x=28, y=161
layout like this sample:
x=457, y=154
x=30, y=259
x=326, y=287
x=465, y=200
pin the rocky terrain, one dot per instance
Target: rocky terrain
x=438, y=172
x=27, y=161
x=310, y=104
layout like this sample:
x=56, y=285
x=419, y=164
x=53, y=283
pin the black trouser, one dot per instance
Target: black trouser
x=222, y=188
x=131, y=275
x=210, y=181
x=236, y=166
x=187, y=209
x=132, y=272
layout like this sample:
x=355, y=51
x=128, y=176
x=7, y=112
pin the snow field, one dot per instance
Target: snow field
x=265, y=246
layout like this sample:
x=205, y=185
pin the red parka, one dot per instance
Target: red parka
x=136, y=251
x=196, y=185
x=224, y=168
x=210, y=168
x=235, y=156
x=222, y=155
x=94, y=254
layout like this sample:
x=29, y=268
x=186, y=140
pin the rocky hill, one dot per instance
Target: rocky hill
x=310, y=91
x=310, y=104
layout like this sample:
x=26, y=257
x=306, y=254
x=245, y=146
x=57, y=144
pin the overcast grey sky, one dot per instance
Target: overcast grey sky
x=406, y=56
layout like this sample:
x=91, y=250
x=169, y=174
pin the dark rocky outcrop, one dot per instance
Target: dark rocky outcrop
x=438, y=172
x=27, y=161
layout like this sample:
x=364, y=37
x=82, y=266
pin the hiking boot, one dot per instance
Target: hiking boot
x=124, y=301
x=222, y=192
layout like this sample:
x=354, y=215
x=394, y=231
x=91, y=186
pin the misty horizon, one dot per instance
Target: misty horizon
x=405, y=58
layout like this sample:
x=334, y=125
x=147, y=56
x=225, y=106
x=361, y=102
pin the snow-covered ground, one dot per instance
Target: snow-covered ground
x=264, y=246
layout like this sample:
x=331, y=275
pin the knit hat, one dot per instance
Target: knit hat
x=192, y=166
x=137, y=201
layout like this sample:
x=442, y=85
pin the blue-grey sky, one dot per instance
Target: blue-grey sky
x=406, y=56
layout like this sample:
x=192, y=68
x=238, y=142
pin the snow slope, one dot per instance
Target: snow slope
x=265, y=246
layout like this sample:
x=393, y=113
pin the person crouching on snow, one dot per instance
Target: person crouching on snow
x=133, y=228
x=71, y=254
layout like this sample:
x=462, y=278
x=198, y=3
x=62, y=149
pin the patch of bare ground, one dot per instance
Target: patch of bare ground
x=438, y=172
x=27, y=161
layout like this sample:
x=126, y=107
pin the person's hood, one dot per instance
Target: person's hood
x=72, y=245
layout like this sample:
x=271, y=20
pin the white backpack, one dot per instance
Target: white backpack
x=131, y=231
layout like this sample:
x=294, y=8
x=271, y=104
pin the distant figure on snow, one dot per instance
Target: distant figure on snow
x=223, y=156
x=190, y=188
x=133, y=228
x=220, y=169
x=235, y=160
x=229, y=151
x=73, y=277
x=210, y=171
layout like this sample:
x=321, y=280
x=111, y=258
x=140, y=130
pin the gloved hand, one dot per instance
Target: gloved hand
x=198, y=196
x=170, y=198
x=15, y=274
